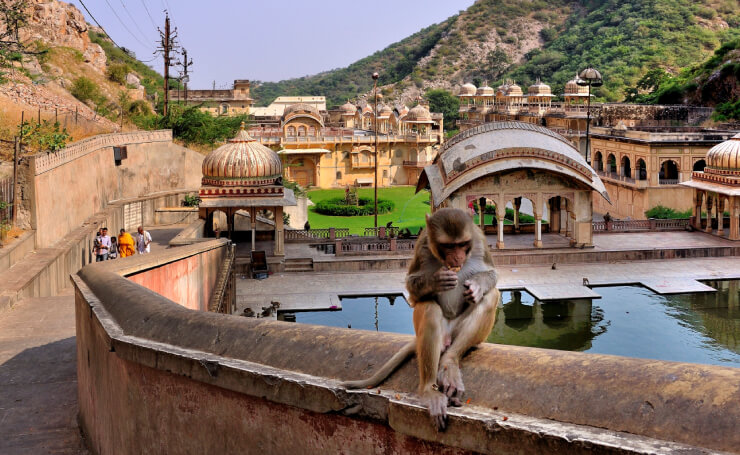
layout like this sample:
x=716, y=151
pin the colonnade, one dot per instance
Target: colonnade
x=231, y=212
x=715, y=202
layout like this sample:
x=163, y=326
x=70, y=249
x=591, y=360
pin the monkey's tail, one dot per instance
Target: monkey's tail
x=385, y=371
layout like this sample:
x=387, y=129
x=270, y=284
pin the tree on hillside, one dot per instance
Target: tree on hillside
x=13, y=17
x=498, y=62
x=445, y=102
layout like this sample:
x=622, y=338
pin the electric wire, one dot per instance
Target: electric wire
x=143, y=3
x=124, y=25
x=136, y=23
x=98, y=24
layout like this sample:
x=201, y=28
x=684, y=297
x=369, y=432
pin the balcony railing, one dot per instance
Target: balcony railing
x=615, y=176
x=412, y=163
x=668, y=181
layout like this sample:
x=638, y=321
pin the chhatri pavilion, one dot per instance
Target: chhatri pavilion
x=244, y=175
x=717, y=189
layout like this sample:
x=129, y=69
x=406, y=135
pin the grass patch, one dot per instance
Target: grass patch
x=409, y=212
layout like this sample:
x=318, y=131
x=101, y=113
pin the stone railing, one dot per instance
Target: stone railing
x=223, y=299
x=315, y=234
x=615, y=176
x=46, y=161
x=211, y=364
x=381, y=231
x=641, y=225
x=668, y=181
x=367, y=245
x=416, y=163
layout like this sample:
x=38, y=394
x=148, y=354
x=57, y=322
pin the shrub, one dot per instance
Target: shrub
x=117, y=73
x=85, y=90
x=45, y=136
x=664, y=213
x=191, y=200
x=337, y=207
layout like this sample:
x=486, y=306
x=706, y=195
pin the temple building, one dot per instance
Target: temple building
x=243, y=177
x=716, y=189
x=232, y=101
x=502, y=163
x=336, y=148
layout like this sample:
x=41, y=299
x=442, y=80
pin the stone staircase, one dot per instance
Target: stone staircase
x=293, y=265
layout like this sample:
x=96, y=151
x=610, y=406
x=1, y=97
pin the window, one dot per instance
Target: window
x=339, y=175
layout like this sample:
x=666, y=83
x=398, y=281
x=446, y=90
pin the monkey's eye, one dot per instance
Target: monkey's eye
x=452, y=246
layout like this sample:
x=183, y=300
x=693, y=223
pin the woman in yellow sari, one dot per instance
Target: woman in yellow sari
x=125, y=244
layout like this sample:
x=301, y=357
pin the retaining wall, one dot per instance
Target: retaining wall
x=151, y=372
x=16, y=250
x=63, y=189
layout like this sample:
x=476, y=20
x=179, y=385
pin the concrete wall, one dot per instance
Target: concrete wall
x=628, y=201
x=61, y=190
x=17, y=250
x=151, y=372
x=188, y=280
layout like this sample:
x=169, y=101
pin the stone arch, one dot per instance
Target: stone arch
x=599, y=161
x=626, y=170
x=699, y=165
x=611, y=163
x=669, y=172
x=290, y=131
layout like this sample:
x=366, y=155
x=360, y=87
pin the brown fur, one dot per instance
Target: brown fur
x=447, y=319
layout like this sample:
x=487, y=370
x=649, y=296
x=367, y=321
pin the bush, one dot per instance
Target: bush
x=337, y=207
x=117, y=73
x=85, y=90
x=664, y=213
x=191, y=200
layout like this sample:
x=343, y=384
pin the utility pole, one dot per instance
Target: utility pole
x=168, y=44
x=375, y=91
x=185, y=64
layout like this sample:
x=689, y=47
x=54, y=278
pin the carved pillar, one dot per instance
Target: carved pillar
x=571, y=227
x=253, y=225
x=555, y=214
x=698, y=200
x=710, y=201
x=482, y=213
x=517, y=206
x=538, y=232
x=720, y=215
x=279, y=233
x=500, y=214
x=564, y=217
x=734, y=218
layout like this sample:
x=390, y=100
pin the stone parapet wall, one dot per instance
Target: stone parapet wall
x=46, y=161
x=151, y=371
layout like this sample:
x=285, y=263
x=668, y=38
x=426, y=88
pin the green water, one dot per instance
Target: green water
x=628, y=321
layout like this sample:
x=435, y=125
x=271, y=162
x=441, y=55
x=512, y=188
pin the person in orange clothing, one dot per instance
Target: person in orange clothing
x=125, y=244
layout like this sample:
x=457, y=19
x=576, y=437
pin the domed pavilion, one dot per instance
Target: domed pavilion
x=244, y=175
x=717, y=189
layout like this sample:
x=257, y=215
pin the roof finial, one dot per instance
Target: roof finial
x=243, y=125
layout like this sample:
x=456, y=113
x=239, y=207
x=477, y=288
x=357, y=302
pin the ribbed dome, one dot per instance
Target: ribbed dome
x=418, y=113
x=538, y=88
x=348, y=108
x=484, y=91
x=241, y=162
x=367, y=109
x=725, y=155
x=572, y=87
x=385, y=111
x=467, y=89
x=515, y=90
x=302, y=108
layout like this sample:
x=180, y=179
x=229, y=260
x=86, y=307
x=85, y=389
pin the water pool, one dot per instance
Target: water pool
x=629, y=321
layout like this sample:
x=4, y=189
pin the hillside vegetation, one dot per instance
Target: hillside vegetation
x=527, y=39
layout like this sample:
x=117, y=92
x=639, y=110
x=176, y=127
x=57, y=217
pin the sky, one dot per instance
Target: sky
x=266, y=40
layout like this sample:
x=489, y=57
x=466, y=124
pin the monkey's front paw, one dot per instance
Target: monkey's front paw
x=437, y=404
x=473, y=293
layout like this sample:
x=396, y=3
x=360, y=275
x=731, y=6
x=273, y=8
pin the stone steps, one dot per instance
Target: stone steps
x=299, y=265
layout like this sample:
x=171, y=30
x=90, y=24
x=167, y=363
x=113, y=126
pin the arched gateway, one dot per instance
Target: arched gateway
x=503, y=162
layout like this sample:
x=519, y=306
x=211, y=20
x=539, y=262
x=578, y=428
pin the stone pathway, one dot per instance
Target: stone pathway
x=38, y=371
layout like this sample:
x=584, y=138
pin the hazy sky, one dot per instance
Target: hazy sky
x=267, y=40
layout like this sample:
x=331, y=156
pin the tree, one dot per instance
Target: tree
x=445, y=102
x=13, y=17
x=498, y=61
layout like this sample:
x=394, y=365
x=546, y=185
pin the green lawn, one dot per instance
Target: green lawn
x=409, y=212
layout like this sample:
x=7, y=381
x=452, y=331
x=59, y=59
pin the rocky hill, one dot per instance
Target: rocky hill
x=527, y=39
x=67, y=75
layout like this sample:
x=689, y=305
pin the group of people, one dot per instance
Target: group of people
x=106, y=247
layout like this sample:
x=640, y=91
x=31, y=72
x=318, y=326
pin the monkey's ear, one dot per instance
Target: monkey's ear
x=427, y=218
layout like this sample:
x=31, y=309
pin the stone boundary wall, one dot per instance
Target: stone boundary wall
x=151, y=371
x=46, y=161
x=17, y=250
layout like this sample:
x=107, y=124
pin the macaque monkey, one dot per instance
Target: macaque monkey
x=452, y=286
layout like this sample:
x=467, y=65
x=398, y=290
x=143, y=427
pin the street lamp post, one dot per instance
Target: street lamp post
x=591, y=78
x=375, y=117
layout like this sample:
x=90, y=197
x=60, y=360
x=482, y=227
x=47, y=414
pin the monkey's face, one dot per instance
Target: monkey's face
x=454, y=253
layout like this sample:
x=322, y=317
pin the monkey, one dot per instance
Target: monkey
x=451, y=283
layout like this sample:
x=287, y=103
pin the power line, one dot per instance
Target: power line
x=143, y=3
x=136, y=23
x=98, y=24
x=124, y=25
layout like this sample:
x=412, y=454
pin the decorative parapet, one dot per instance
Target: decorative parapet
x=46, y=161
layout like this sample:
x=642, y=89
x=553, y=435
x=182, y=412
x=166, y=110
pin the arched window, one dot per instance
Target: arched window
x=224, y=109
x=668, y=174
x=291, y=131
x=301, y=131
x=626, y=170
x=641, y=170
x=312, y=131
x=611, y=163
x=700, y=165
x=599, y=162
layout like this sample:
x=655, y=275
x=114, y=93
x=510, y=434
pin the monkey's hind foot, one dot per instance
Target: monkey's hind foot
x=450, y=382
x=437, y=404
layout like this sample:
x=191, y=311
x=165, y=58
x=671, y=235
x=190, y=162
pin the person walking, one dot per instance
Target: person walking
x=126, y=244
x=143, y=239
x=113, y=252
x=102, y=243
